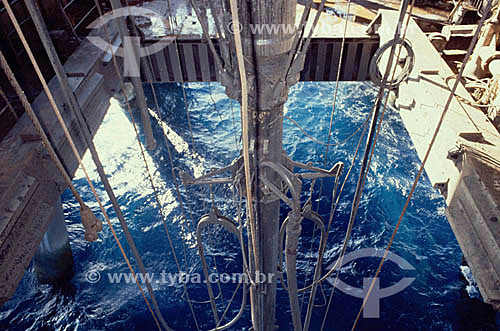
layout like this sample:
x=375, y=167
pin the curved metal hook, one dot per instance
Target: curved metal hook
x=288, y=177
x=318, y=220
x=229, y=226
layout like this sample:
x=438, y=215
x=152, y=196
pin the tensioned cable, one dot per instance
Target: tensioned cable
x=59, y=165
x=8, y=104
x=335, y=196
x=371, y=132
x=186, y=105
x=334, y=207
x=173, y=174
x=424, y=161
x=181, y=204
x=327, y=144
x=335, y=95
x=300, y=32
x=179, y=197
x=150, y=178
x=234, y=127
x=95, y=157
x=212, y=298
x=177, y=189
x=381, y=120
x=368, y=164
x=244, y=124
x=75, y=152
x=304, y=47
x=333, y=269
x=319, y=142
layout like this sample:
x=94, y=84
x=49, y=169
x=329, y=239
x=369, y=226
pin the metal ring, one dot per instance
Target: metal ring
x=375, y=74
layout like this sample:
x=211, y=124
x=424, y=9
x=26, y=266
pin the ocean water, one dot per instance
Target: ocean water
x=440, y=297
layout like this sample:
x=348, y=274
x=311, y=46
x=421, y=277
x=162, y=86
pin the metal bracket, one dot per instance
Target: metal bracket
x=209, y=179
x=284, y=170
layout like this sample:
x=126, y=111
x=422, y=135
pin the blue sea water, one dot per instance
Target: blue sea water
x=438, y=299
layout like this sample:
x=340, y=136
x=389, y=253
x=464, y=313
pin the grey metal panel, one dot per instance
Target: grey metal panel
x=204, y=63
x=313, y=49
x=365, y=61
x=217, y=78
x=148, y=61
x=350, y=61
x=321, y=60
x=304, y=75
x=162, y=66
x=335, y=61
x=189, y=62
x=174, y=59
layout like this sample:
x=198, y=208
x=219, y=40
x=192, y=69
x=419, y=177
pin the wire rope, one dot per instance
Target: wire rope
x=424, y=161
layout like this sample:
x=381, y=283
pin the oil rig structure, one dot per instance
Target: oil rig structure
x=439, y=68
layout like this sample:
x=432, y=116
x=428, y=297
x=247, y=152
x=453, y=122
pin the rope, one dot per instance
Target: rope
x=334, y=208
x=319, y=11
x=334, y=104
x=309, y=200
x=485, y=93
x=91, y=224
x=319, y=142
x=395, y=81
x=220, y=292
x=86, y=133
x=371, y=132
x=218, y=61
x=244, y=124
x=228, y=225
x=178, y=190
x=70, y=140
x=331, y=119
x=351, y=220
x=337, y=85
x=179, y=197
x=9, y=105
x=234, y=127
x=153, y=186
x=424, y=161
x=173, y=22
x=298, y=35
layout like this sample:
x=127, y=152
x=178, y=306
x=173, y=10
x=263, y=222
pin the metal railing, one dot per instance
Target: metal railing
x=474, y=4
